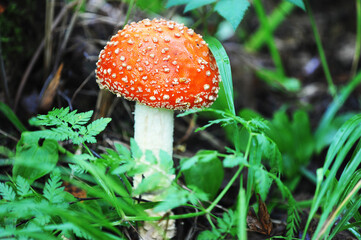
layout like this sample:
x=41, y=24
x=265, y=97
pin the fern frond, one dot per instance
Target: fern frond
x=293, y=219
x=22, y=186
x=68, y=125
x=53, y=190
x=97, y=126
x=7, y=192
x=79, y=118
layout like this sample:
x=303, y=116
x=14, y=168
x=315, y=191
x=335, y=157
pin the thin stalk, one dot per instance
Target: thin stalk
x=4, y=81
x=130, y=7
x=225, y=190
x=203, y=19
x=321, y=52
x=278, y=15
x=262, y=16
x=49, y=18
x=356, y=56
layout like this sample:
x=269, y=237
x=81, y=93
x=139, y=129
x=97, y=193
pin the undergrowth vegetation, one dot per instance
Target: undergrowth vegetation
x=59, y=183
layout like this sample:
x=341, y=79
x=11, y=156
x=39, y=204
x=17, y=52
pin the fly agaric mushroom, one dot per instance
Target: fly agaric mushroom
x=163, y=66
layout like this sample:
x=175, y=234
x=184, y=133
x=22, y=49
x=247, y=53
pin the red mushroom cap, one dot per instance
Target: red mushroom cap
x=161, y=64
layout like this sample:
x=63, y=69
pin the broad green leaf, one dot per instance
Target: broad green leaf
x=34, y=156
x=197, y=3
x=298, y=3
x=232, y=10
x=206, y=174
x=224, y=66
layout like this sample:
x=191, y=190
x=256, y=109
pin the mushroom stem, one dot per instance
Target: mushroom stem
x=153, y=129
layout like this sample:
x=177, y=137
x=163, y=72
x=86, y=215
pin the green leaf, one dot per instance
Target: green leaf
x=7, y=192
x=166, y=160
x=79, y=118
x=187, y=163
x=298, y=3
x=70, y=125
x=262, y=182
x=279, y=81
x=154, y=6
x=196, y=4
x=289, y=135
x=149, y=184
x=232, y=10
x=174, y=197
x=53, y=190
x=227, y=223
x=206, y=173
x=97, y=126
x=171, y=3
x=208, y=235
x=12, y=117
x=231, y=161
x=122, y=150
x=34, y=157
x=134, y=148
x=224, y=66
x=23, y=187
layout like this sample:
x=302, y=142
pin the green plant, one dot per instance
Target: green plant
x=266, y=160
x=342, y=197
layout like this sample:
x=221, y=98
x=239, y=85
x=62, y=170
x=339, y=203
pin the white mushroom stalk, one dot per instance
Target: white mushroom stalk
x=153, y=130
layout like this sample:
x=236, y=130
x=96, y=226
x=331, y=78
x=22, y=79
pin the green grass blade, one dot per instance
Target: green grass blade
x=224, y=66
x=344, y=141
x=333, y=108
x=12, y=117
x=271, y=43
